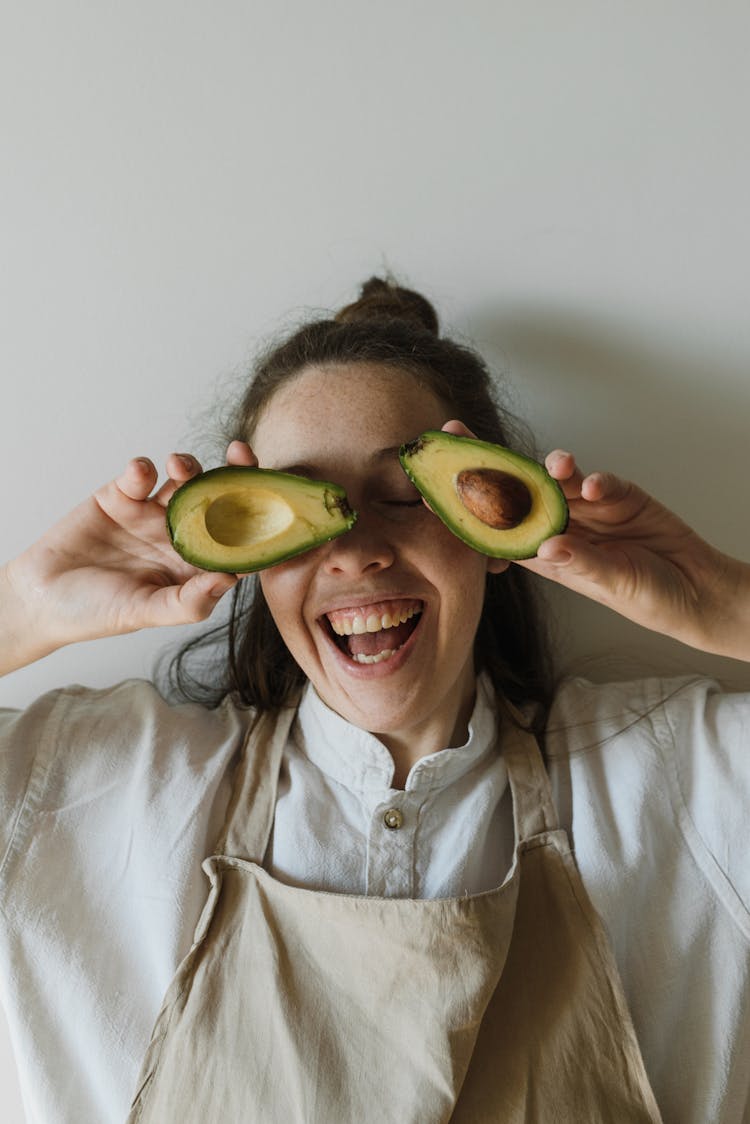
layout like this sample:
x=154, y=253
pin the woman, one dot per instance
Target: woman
x=396, y=926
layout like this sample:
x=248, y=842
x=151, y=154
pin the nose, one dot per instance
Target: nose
x=362, y=550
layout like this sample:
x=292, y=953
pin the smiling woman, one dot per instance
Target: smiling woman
x=381, y=374
x=421, y=696
x=442, y=886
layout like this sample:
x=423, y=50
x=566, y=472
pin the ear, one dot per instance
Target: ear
x=497, y=565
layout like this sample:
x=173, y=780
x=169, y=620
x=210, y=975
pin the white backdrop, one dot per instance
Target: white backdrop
x=568, y=182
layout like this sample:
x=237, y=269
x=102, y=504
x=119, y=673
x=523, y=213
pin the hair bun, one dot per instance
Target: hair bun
x=383, y=299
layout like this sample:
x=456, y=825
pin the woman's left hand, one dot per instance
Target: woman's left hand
x=625, y=550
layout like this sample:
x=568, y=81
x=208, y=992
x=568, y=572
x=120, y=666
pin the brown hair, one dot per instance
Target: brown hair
x=397, y=327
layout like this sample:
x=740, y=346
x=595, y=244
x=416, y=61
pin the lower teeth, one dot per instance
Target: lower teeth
x=386, y=655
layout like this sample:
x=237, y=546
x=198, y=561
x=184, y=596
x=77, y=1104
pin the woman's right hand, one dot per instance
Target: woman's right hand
x=108, y=568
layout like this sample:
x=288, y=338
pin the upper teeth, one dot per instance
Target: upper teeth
x=374, y=622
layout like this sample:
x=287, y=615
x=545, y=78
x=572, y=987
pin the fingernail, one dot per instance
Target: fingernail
x=187, y=461
x=561, y=557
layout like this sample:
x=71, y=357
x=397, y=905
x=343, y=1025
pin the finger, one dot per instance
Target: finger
x=186, y=604
x=457, y=429
x=557, y=550
x=605, y=487
x=240, y=453
x=138, y=479
x=199, y=595
x=562, y=467
x=181, y=467
x=601, y=574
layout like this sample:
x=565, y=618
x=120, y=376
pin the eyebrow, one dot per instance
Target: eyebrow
x=311, y=470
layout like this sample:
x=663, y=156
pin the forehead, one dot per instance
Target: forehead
x=347, y=410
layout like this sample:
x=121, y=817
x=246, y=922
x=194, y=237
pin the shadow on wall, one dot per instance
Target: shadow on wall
x=642, y=406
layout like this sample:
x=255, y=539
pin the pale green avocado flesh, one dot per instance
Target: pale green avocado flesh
x=446, y=468
x=240, y=519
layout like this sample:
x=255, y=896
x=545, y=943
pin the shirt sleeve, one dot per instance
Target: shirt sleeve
x=670, y=753
x=708, y=758
x=84, y=767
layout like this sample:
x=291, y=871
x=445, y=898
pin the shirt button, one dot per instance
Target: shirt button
x=393, y=818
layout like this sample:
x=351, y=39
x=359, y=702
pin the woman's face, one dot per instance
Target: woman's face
x=345, y=424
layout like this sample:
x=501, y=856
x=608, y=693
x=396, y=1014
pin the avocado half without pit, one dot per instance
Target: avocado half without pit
x=498, y=502
x=241, y=519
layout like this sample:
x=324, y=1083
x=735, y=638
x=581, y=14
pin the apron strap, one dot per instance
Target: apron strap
x=533, y=807
x=246, y=835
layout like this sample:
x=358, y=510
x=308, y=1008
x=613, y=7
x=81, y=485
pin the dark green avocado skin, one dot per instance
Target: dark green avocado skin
x=432, y=462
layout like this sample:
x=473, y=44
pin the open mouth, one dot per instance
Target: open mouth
x=373, y=633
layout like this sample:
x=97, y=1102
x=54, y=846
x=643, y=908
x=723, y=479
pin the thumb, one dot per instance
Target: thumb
x=593, y=570
x=189, y=603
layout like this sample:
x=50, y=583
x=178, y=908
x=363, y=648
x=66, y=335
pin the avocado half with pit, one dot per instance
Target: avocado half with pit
x=241, y=519
x=498, y=502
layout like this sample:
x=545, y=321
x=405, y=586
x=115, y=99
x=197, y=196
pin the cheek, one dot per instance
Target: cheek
x=451, y=551
x=459, y=573
x=287, y=588
x=283, y=588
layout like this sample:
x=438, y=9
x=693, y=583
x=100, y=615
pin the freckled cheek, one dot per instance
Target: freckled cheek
x=460, y=575
x=448, y=550
x=284, y=588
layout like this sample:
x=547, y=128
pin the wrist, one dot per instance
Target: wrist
x=21, y=636
x=727, y=610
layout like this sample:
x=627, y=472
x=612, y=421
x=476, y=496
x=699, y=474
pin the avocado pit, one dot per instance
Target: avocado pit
x=498, y=499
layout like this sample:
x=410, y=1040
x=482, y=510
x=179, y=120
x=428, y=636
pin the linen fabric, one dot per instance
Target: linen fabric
x=111, y=800
x=500, y=1006
x=334, y=791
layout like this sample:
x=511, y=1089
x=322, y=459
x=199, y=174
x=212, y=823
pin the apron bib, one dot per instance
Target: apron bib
x=295, y=1005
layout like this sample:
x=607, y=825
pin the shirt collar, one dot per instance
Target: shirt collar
x=358, y=760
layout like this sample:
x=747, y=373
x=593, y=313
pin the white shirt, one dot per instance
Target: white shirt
x=456, y=822
x=109, y=801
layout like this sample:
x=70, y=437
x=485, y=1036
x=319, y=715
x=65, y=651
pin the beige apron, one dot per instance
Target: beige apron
x=295, y=1005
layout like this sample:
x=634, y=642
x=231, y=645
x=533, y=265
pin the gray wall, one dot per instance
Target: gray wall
x=569, y=183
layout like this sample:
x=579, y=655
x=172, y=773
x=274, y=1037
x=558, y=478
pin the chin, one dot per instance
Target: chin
x=370, y=709
x=387, y=715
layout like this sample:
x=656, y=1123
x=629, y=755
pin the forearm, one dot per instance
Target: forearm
x=726, y=619
x=21, y=639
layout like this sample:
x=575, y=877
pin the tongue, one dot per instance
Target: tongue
x=373, y=643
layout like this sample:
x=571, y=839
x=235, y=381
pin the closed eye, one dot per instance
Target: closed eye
x=402, y=503
x=401, y=511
